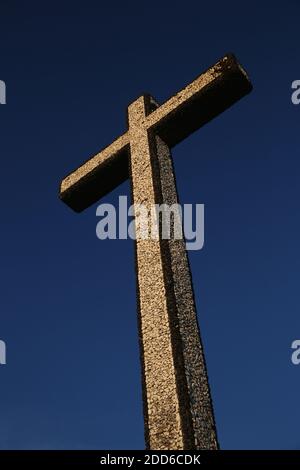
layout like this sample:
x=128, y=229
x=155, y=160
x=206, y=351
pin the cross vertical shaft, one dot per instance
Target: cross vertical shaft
x=177, y=405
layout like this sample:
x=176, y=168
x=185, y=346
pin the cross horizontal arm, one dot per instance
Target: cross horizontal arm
x=208, y=95
x=199, y=102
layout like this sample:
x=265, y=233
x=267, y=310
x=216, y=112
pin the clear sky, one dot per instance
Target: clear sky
x=68, y=303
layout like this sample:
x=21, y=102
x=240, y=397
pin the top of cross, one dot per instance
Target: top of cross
x=207, y=96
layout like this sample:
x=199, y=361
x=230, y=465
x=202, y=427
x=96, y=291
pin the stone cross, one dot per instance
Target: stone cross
x=178, y=411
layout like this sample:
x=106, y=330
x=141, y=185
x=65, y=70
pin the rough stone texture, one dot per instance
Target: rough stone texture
x=161, y=402
x=190, y=368
x=177, y=405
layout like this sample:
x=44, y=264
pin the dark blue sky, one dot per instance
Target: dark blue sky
x=68, y=305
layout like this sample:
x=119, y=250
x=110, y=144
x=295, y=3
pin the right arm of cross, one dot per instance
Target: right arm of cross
x=206, y=97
